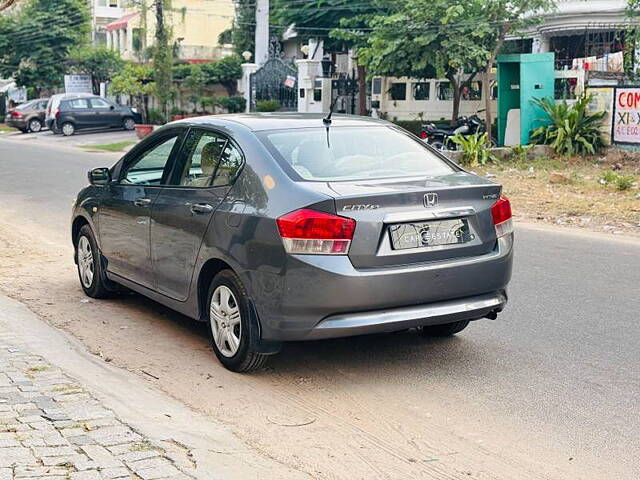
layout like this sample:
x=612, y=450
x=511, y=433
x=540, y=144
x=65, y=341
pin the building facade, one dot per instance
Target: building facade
x=195, y=26
x=104, y=12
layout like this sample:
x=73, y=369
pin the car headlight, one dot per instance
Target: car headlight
x=134, y=109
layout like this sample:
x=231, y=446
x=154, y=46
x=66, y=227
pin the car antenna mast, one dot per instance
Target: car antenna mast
x=327, y=120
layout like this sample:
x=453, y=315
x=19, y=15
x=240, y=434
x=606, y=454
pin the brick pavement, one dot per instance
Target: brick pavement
x=52, y=428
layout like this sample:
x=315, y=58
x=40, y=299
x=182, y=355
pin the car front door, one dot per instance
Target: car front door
x=206, y=169
x=105, y=114
x=125, y=210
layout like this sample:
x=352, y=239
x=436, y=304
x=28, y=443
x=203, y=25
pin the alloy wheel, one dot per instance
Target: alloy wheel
x=129, y=124
x=85, y=262
x=68, y=129
x=224, y=315
x=35, y=125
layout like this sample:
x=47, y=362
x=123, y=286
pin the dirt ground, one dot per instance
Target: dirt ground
x=575, y=191
x=306, y=410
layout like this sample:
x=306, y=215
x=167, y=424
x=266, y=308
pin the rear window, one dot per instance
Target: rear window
x=25, y=106
x=353, y=153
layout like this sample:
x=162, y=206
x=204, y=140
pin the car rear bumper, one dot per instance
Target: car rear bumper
x=392, y=320
x=11, y=122
x=325, y=296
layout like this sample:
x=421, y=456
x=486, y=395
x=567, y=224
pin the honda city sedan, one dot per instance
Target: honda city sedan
x=289, y=227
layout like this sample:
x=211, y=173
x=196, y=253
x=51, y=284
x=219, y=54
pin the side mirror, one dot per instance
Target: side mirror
x=99, y=176
x=111, y=107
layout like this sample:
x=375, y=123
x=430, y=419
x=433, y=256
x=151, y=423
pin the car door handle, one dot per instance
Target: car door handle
x=201, y=208
x=142, y=202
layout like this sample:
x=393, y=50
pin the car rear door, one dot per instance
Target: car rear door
x=105, y=114
x=206, y=169
x=125, y=210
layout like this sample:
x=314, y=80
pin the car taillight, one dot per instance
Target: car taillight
x=15, y=114
x=501, y=213
x=317, y=233
x=57, y=114
x=423, y=134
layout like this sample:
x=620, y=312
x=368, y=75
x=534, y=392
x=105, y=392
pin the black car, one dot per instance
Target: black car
x=92, y=112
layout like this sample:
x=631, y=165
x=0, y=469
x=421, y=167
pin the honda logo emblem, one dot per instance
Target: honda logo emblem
x=431, y=200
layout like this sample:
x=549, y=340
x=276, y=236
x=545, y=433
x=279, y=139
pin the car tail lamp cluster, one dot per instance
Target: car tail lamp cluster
x=501, y=213
x=15, y=114
x=312, y=232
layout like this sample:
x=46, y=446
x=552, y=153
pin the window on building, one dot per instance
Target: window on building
x=421, y=91
x=113, y=3
x=471, y=91
x=444, y=90
x=376, y=87
x=100, y=38
x=317, y=91
x=565, y=88
x=398, y=91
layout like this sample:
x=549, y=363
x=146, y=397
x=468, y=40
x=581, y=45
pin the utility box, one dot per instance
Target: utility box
x=522, y=78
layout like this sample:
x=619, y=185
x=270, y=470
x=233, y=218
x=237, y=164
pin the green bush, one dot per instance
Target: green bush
x=413, y=126
x=520, y=153
x=268, y=106
x=476, y=149
x=572, y=130
x=156, y=117
x=233, y=104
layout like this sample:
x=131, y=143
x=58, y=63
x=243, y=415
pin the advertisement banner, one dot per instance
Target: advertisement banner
x=626, y=123
x=602, y=101
x=78, y=84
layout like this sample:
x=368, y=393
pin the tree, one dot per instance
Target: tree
x=225, y=72
x=195, y=81
x=244, y=29
x=420, y=38
x=162, y=57
x=100, y=62
x=35, y=42
x=137, y=82
x=337, y=22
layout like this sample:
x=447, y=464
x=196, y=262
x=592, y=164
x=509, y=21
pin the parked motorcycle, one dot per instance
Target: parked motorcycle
x=441, y=138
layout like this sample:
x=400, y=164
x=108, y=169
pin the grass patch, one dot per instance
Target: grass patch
x=110, y=147
x=37, y=368
x=5, y=129
x=142, y=447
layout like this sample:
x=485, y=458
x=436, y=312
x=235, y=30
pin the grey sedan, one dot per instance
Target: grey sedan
x=280, y=227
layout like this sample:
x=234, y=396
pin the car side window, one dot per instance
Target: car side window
x=99, y=103
x=208, y=160
x=78, y=103
x=149, y=167
x=229, y=166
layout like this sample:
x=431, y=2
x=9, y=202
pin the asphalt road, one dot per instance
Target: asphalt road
x=562, y=361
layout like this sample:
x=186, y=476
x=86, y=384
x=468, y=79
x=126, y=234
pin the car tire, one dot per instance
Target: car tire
x=68, y=129
x=24, y=130
x=232, y=324
x=128, y=123
x=90, y=272
x=35, y=125
x=445, y=330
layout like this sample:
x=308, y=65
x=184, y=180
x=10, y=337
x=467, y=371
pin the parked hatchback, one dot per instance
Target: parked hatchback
x=92, y=112
x=28, y=117
x=280, y=227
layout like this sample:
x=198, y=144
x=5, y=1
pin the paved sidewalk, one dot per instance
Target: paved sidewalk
x=52, y=428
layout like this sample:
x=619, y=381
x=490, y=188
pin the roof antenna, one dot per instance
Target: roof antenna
x=327, y=120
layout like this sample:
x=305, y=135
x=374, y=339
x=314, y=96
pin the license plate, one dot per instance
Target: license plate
x=429, y=234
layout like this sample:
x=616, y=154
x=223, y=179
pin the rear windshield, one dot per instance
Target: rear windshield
x=353, y=153
x=25, y=106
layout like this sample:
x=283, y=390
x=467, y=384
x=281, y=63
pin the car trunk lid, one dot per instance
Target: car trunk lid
x=418, y=219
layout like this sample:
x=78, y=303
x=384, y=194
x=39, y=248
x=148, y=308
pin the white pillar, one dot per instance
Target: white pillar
x=130, y=38
x=308, y=72
x=262, y=31
x=245, y=88
x=122, y=38
x=109, y=41
x=540, y=44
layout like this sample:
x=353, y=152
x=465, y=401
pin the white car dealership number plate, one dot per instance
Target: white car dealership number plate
x=429, y=234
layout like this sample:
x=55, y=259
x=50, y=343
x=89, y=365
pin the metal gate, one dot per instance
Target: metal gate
x=276, y=80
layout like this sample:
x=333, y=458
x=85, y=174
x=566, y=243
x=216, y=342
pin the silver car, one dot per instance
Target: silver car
x=280, y=227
